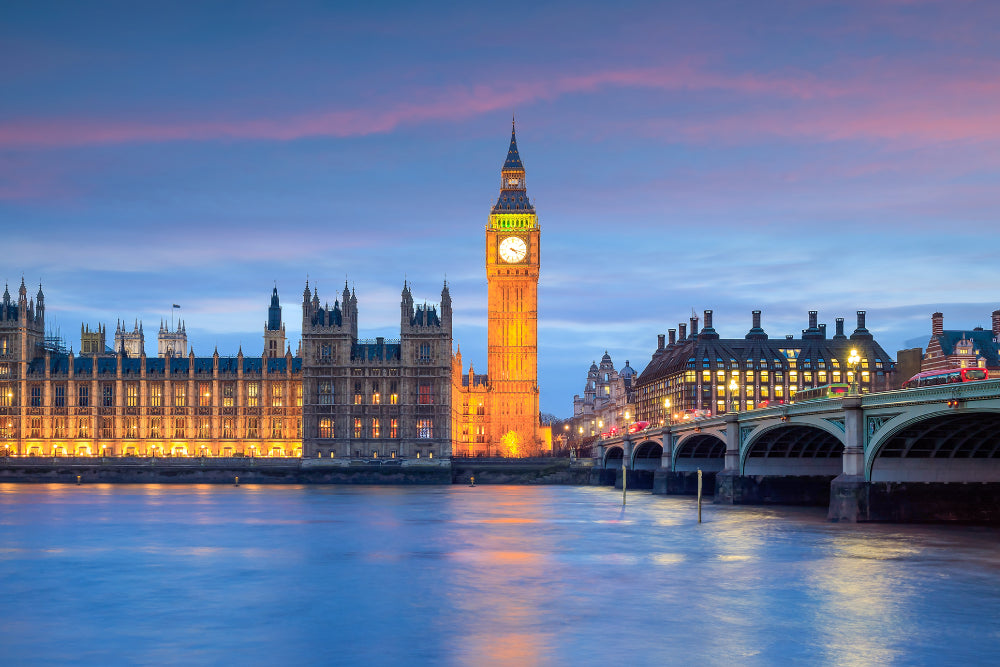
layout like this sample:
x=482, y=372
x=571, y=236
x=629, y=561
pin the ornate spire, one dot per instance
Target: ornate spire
x=513, y=195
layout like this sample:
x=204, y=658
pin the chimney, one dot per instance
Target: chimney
x=937, y=324
x=659, y=342
x=673, y=336
x=822, y=330
x=682, y=329
x=756, y=319
x=812, y=319
x=861, y=320
x=708, y=319
x=694, y=326
x=840, y=329
x=996, y=322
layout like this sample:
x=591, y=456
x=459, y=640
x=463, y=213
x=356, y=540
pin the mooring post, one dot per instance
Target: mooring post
x=699, y=495
x=236, y=482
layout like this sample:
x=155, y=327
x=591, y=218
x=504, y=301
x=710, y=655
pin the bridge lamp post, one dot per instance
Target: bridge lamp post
x=666, y=410
x=626, y=443
x=852, y=362
x=734, y=395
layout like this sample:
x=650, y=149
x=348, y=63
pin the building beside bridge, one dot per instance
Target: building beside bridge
x=963, y=348
x=695, y=370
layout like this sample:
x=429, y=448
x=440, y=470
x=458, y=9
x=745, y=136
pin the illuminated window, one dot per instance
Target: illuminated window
x=393, y=394
x=107, y=428
x=779, y=391
x=298, y=395
x=357, y=393
x=394, y=428
x=155, y=394
x=376, y=396
x=204, y=428
x=326, y=427
x=227, y=428
x=155, y=427
x=59, y=427
x=425, y=395
x=204, y=394
x=83, y=427
x=60, y=397
x=253, y=394
x=131, y=428
x=228, y=394
x=425, y=428
x=179, y=427
x=276, y=428
x=253, y=427
x=324, y=393
x=180, y=395
x=376, y=427
x=7, y=394
x=357, y=427
x=277, y=395
x=35, y=427
x=131, y=395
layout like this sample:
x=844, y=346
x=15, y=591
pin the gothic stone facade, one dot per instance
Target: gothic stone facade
x=376, y=398
x=497, y=413
x=54, y=403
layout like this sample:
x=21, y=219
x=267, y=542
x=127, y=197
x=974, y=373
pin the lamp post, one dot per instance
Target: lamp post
x=853, y=362
x=734, y=395
x=666, y=409
x=625, y=454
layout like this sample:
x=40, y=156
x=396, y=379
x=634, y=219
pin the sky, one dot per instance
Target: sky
x=782, y=156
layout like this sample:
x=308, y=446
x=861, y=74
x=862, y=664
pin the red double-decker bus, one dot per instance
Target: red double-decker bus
x=952, y=375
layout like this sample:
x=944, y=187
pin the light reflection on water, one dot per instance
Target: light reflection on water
x=488, y=575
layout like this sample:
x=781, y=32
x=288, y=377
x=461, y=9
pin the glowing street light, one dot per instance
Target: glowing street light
x=666, y=409
x=852, y=362
x=734, y=395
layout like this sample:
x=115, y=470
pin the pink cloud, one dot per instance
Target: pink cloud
x=866, y=109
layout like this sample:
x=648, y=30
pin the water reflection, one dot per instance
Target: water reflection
x=486, y=575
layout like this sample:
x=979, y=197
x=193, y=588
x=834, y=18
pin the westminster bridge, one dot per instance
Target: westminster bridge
x=931, y=453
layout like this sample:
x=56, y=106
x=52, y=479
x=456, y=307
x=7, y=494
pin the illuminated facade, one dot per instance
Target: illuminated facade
x=498, y=413
x=381, y=398
x=607, y=395
x=53, y=403
x=695, y=371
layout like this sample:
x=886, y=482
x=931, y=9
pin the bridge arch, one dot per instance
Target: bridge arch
x=706, y=451
x=941, y=446
x=647, y=455
x=793, y=449
x=613, y=457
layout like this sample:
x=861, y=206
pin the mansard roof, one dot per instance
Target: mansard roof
x=513, y=201
x=982, y=340
x=762, y=354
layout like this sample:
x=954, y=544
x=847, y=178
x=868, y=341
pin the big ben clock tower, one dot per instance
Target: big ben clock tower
x=512, y=262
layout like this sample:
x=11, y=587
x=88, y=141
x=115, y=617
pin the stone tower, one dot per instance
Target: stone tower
x=133, y=342
x=512, y=266
x=170, y=342
x=274, y=329
x=92, y=341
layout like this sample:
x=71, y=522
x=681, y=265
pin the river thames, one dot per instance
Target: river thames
x=153, y=574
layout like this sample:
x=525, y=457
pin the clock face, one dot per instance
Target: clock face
x=513, y=249
x=513, y=182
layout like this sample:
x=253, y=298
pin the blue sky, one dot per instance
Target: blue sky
x=785, y=156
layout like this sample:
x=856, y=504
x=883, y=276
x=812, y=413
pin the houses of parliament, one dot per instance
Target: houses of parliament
x=338, y=398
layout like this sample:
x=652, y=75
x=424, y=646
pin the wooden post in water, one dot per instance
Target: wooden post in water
x=699, y=495
x=236, y=482
x=78, y=480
